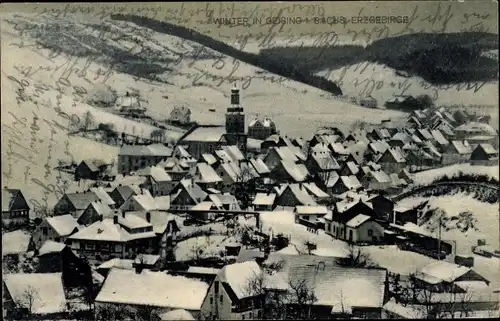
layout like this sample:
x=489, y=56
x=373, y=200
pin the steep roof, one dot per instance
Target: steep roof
x=82, y=200
x=103, y=195
x=206, y=134
x=357, y=220
x=47, y=288
x=350, y=181
x=206, y=174
x=298, y=172
x=15, y=242
x=8, y=197
x=239, y=276
x=51, y=247
x=146, y=150
x=301, y=194
x=106, y=230
x=264, y=199
x=63, y=224
x=260, y=166
x=460, y=147
x=443, y=271
x=488, y=149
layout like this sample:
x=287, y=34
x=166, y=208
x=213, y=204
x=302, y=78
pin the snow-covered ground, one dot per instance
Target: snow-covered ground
x=382, y=82
x=485, y=219
x=429, y=176
x=283, y=222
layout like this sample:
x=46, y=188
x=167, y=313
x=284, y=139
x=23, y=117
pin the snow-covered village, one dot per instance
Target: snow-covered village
x=148, y=196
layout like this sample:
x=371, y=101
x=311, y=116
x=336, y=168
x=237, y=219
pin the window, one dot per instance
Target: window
x=44, y=231
x=243, y=316
x=250, y=315
x=89, y=246
x=57, y=239
x=370, y=233
x=118, y=248
x=216, y=287
x=211, y=300
x=221, y=298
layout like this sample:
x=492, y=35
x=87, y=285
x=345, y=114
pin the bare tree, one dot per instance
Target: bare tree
x=157, y=135
x=355, y=258
x=29, y=297
x=102, y=96
x=88, y=121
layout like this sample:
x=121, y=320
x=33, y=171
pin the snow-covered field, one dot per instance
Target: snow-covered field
x=382, y=82
x=485, y=219
x=429, y=176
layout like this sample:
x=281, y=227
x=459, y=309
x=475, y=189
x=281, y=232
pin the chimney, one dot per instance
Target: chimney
x=115, y=219
x=123, y=214
x=148, y=217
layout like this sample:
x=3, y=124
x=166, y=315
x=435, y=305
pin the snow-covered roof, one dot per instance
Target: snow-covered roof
x=177, y=314
x=148, y=259
x=203, y=270
x=488, y=149
x=156, y=289
x=206, y=174
x=206, y=134
x=350, y=181
x=234, y=152
x=357, y=220
x=477, y=127
x=406, y=311
x=117, y=263
x=147, y=202
x=103, y=195
x=106, y=230
x=381, y=176
x=301, y=194
x=308, y=209
x=146, y=150
x=439, y=137
x=51, y=247
x=397, y=155
x=298, y=172
x=44, y=289
x=260, y=166
x=325, y=160
x=313, y=189
x=264, y=199
x=82, y=200
x=444, y=271
x=15, y=242
x=379, y=146
x=461, y=147
x=63, y=224
x=157, y=173
x=286, y=153
x=239, y=277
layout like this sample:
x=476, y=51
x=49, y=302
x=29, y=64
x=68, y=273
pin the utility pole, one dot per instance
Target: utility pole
x=439, y=240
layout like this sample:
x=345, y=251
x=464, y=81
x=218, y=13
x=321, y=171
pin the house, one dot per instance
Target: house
x=134, y=157
x=293, y=195
x=128, y=290
x=46, y=296
x=129, y=104
x=484, y=154
x=124, y=264
x=186, y=195
x=442, y=276
x=326, y=139
x=158, y=181
x=204, y=139
x=210, y=159
x=382, y=205
x=317, y=193
x=225, y=201
x=264, y=201
x=94, y=212
x=87, y=169
x=123, y=236
x=145, y=202
x=346, y=183
x=74, y=203
x=402, y=215
x=55, y=228
x=424, y=134
x=345, y=211
x=349, y=168
x=207, y=177
x=310, y=214
x=147, y=261
x=261, y=128
x=345, y=301
x=180, y=115
x=376, y=181
x=56, y=257
x=121, y=193
x=378, y=147
x=456, y=152
x=400, y=139
x=290, y=172
x=404, y=102
x=474, y=129
x=368, y=101
x=15, y=209
x=176, y=167
x=392, y=161
x=230, y=298
x=363, y=229
x=379, y=134
x=322, y=162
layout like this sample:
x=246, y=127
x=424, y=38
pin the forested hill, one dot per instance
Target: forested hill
x=282, y=68
x=437, y=58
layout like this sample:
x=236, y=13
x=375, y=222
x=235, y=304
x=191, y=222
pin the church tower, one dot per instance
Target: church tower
x=235, y=122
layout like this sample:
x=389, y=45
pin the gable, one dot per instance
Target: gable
x=19, y=202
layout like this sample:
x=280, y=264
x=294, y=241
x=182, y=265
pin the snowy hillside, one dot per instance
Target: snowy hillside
x=383, y=83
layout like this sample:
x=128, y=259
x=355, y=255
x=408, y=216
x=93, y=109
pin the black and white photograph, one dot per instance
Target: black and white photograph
x=304, y=160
